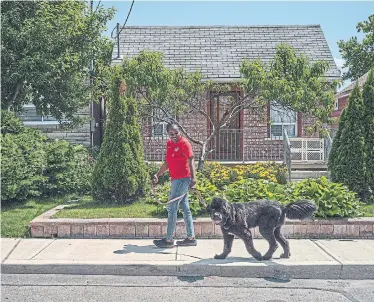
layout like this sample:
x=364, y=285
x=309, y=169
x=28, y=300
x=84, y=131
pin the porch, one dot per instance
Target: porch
x=244, y=146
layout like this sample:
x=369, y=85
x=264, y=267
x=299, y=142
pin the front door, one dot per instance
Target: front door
x=227, y=144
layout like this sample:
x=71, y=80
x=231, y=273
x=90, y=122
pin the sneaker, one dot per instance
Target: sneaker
x=163, y=243
x=187, y=242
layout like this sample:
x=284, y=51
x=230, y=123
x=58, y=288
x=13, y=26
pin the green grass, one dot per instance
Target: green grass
x=368, y=210
x=89, y=208
x=15, y=217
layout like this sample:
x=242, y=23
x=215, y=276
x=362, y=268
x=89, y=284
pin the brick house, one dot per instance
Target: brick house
x=341, y=99
x=217, y=52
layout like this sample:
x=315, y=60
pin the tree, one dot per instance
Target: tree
x=368, y=121
x=47, y=48
x=165, y=94
x=349, y=163
x=120, y=173
x=333, y=165
x=359, y=56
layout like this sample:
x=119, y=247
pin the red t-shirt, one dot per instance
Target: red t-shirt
x=177, y=155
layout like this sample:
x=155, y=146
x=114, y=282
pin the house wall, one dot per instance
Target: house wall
x=255, y=143
x=342, y=103
x=79, y=135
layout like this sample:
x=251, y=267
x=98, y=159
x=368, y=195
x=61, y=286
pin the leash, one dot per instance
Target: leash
x=198, y=193
x=169, y=201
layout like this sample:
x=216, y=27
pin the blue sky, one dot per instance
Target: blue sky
x=338, y=19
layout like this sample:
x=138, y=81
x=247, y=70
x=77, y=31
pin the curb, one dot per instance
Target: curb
x=45, y=227
x=261, y=270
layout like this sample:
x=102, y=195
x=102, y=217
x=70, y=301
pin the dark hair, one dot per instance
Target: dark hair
x=172, y=126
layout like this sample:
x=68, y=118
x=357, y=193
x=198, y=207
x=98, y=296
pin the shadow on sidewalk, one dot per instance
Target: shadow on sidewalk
x=144, y=249
x=234, y=260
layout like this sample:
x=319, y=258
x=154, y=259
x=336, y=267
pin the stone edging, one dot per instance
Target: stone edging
x=45, y=227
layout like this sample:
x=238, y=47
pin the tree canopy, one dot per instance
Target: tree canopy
x=359, y=55
x=47, y=48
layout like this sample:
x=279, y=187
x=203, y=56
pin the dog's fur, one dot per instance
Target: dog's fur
x=236, y=219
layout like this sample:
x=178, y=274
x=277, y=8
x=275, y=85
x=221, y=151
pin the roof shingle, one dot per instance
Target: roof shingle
x=217, y=51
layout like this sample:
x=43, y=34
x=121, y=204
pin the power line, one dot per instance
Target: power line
x=98, y=5
x=119, y=31
x=128, y=15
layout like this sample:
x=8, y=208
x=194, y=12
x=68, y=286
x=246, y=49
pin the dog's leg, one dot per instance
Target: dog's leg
x=283, y=242
x=268, y=233
x=246, y=236
x=227, y=241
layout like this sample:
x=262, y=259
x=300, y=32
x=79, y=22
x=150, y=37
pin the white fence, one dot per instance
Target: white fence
x=307, y=149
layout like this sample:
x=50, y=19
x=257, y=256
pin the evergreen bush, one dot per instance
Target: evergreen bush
x=120, y=173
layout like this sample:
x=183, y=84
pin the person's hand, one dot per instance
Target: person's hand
x=193, y=183
x=155, y=179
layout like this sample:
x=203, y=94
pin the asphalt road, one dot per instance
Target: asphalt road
x=50, y=288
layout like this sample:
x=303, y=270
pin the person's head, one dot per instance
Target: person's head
x=173, y=131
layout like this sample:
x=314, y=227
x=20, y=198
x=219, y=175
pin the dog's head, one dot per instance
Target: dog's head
x=220, y=211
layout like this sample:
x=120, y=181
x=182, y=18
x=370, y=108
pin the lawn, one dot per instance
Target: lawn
x=16, y=216
x=368, y=210
x=87, y=208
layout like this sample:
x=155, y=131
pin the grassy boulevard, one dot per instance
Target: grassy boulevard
x=16, y=217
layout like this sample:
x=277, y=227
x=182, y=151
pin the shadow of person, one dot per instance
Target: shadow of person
x=143, y=249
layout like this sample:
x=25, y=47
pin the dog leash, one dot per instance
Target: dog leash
x=198, y=193
x=169, y=201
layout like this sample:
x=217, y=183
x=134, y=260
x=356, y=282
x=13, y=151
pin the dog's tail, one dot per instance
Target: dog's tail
x=300, y=209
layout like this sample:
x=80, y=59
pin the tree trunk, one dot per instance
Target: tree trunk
x=202, y=157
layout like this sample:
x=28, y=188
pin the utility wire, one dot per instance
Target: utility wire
x=128, y=15
x=98, y=5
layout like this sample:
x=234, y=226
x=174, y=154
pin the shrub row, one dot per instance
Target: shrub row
x=332, y=199
x=34, y=166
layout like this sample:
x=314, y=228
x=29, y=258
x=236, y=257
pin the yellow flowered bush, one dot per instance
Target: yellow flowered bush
x=222, y=175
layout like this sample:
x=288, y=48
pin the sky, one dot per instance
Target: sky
x=338, y=19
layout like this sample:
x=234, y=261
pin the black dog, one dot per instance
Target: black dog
x=237, y=218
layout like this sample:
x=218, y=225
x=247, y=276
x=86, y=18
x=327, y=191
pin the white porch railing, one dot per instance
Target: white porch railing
x=307, y=149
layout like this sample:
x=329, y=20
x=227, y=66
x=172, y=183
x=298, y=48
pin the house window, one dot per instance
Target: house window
x=280, y=119
x=159, y=129
x=29, y=116
x=159, y=124
x=336, y=105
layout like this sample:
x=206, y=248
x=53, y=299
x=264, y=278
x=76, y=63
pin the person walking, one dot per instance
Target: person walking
x=181, y=165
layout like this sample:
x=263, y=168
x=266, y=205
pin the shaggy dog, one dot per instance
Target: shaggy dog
x=237, y=218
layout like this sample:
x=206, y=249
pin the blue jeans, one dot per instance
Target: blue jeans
x=178, y=188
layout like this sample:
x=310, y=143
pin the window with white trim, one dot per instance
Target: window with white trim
x=29, y=116
x=158, y=123
x=159, y=129
x=336, y=104
x=282, y=118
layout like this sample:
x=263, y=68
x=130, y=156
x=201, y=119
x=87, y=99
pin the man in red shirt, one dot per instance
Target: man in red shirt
x=181, y=165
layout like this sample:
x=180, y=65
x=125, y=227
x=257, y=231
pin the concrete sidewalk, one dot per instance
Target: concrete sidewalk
x=312, y=259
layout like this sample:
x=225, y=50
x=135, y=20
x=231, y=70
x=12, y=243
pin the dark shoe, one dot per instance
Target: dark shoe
x=163, y=243
x=187, y=242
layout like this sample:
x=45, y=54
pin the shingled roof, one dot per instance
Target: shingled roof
x=217, y=51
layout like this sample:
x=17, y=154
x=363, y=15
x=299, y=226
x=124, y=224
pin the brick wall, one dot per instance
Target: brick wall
x=254, y=141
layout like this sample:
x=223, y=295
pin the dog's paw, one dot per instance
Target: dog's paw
x=220, y=256
x=258, y=257
x=284, y=255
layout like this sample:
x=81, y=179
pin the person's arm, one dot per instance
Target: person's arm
x=191, y=162
x=164, y=167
